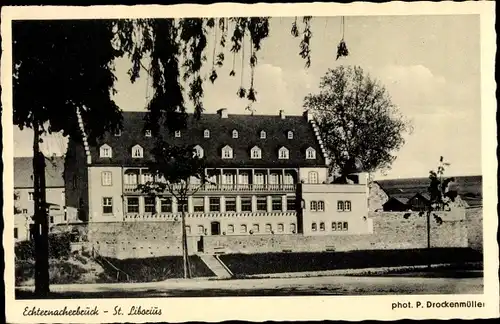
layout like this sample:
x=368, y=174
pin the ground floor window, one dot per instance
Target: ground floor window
x=290, y=204
x=230, y=204
x=188, y=230
x=246, y=204
x=276, y=203
x=269, y=228
x=198, y=204
x=149, y=205
x=166, y=205
x=132, y=205
x=201, y=229
x=293, y=228
x=322, y=226
x=281, y=228
x=314, y=227
x=262, y=203
x=243, y=228
x=345, y=227
x=214, y=204
x=182, y=205
x=255, y=228
x=15, y=233
x=230, y=229
x=107, y=205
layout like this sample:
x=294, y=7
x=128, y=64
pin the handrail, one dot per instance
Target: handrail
x=113, y=266
x=224, y=265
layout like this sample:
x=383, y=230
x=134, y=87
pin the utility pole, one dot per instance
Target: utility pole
x=41, y=236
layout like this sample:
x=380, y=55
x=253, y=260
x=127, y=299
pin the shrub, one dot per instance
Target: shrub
x=59, y=247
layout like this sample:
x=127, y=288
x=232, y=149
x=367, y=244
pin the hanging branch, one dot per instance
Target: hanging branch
x=295, y=30
x=213, y=73
x=241, y=91
x=305, y=51
x=223, y=28
x=342, y=47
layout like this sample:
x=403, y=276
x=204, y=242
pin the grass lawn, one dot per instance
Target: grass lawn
x=266, y=263
x=152, y=269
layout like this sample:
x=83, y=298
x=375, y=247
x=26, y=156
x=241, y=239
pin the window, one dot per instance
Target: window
x=246, y=204
x=188, y=229
x=345, y=226
x=147, y=133
x=137, y=152
x=269, y=228
x=105, y=151
x=283, y=153
x=235, y=133
x=288, y=178
x=262, y=203
x=310, y=153
x=321, y=206
x=214, y=204
x=177, y=133
x=25, y=211
x=290, y=135
x=313, y=177
x=314, y=227
x=132, y=205
x=51, y=220
x=276, y=203
x=259, y=178
x=281, y=228
x=147, y=178
x=347, y=205
x=230, y=204
x=262, y=134
x=243, y=228
x=106, y=178
x=182, y=205
x=198, y=204
x=206, y=133
x=166, y=205
x=273, y=178
x=227, y=152
x=149, y=205
x=30, y=196
x=15, y=233
x=244, y=178
x=228, y=178
x=198, y=151
x=131, y=178
x=339, y=226
x=340, y=205
x=322, y=226
x=255, y=228
x=230, y=229
x=334, y=226
x=293, y=228
x=107, y=205
x=201, y=229
x=118, y=132
x=255, y=153
x=314, y=206
x=291, y=203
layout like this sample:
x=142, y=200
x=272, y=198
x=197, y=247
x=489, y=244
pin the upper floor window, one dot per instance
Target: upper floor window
x=262, y=134
x=147, y=133
x=321, y=205
x=347, y=205
x=227, y=152
x=118, y=132
x=105, y=151
x=235, y=133
x=310, y=153
x=198, y=151
x=283, y=153
x=137, y=152
x=340, y=205
x=313, y=177
x=255, y=153
x=106, y=178
x=314, y=205
x=30, y=196
x=206, y=133
x=290, y=135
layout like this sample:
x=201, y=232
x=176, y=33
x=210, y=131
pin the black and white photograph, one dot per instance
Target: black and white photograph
x=242, y=151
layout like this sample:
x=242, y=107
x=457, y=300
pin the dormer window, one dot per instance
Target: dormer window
x=177, y=133
x=290, y=135
x=198, y=151
x=105, y=151
x=310, y=153
x=137, y=152
x=255, y=153
x=227, y=152
x=206, y=133
x=235, y=133
x=262, y=134
x=147, y=133
x=118, y=132
x=283, y=153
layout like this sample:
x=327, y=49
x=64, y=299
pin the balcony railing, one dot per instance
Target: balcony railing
x=144, y=217
x=132, y=188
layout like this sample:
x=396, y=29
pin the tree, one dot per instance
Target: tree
x=62, y=71
x=179, y=171
x=359, y=124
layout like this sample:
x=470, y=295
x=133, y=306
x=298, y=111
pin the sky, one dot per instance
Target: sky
x=430, y=66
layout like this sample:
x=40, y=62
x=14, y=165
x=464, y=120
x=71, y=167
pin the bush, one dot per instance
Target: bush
x=59, y=247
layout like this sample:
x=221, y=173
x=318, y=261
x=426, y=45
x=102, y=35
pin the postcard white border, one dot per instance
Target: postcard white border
x=271, y=308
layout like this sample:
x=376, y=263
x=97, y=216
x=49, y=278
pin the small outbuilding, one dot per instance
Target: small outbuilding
x=395, y=204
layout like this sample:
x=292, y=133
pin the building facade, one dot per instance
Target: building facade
x=268, y=176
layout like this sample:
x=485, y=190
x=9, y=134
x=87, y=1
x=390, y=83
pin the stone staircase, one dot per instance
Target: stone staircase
x=214, y=263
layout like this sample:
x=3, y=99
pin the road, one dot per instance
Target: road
x=332, y=285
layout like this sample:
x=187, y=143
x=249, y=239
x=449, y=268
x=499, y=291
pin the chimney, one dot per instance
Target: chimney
x=222, y=113
x=308, y=115
x=282, y=114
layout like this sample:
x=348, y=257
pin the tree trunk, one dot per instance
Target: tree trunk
x=429, y=237
x=41, y=232
x=185, y=255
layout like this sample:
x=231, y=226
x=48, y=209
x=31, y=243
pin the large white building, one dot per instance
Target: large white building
x=269, y=177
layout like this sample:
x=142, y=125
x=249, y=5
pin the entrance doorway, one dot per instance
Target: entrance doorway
x=215, y=228
x=200, y=245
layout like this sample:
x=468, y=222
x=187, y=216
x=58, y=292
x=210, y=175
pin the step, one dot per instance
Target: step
x=216, y=266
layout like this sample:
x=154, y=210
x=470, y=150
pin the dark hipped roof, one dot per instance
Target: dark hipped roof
x=248, y=127
x=23, y=172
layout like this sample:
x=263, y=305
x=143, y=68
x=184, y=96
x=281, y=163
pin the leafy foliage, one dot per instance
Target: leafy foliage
x=360, y=125
x=439, y=188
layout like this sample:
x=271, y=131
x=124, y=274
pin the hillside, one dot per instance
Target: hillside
x=468, y=187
